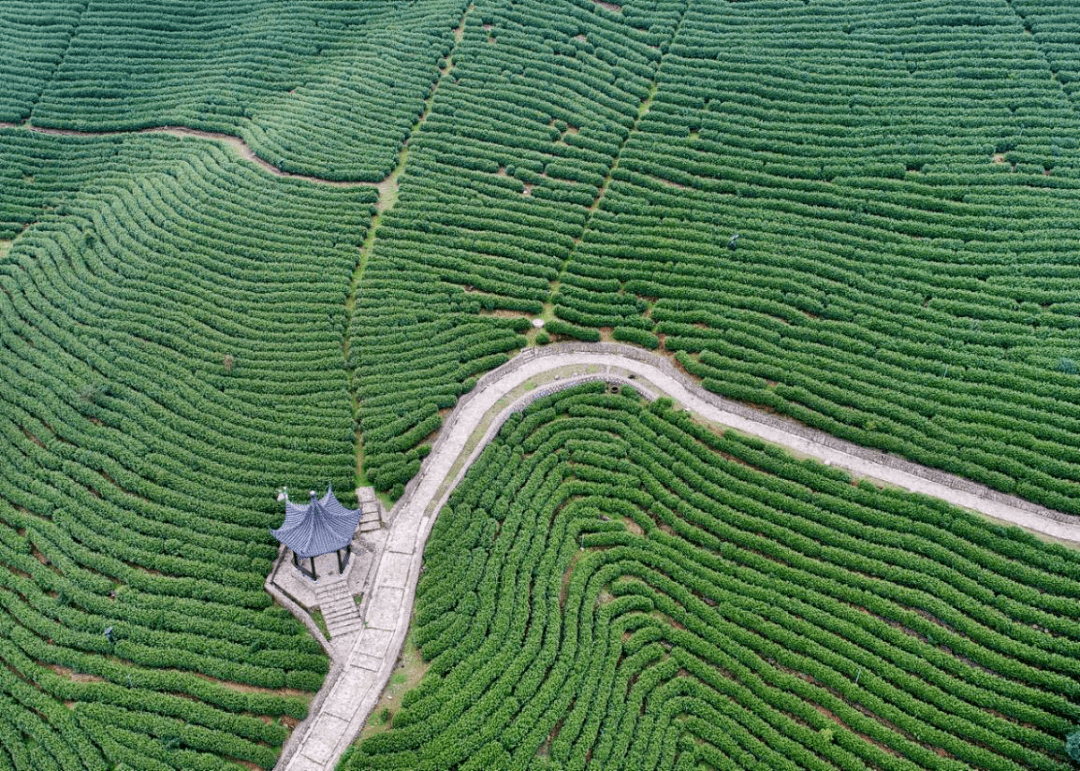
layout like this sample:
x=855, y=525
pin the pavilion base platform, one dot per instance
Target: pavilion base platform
x=338, y=596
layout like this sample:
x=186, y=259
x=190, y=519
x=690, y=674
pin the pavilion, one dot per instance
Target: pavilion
x=319, y=527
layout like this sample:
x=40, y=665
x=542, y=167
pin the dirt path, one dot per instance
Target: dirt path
x=235, y=143
x=319, y=741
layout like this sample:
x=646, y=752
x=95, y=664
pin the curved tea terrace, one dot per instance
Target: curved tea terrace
x=354, y=685
x=234, y=143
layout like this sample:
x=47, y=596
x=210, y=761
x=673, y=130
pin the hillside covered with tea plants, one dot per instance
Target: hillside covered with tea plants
x=859, y=215
x=902, y=179
x=171, y=353
x=616, y=587
x=329, y=89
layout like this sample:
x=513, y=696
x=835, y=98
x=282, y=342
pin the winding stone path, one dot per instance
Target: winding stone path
x=352, y=690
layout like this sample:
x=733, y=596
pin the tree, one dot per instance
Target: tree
x=1072, y=745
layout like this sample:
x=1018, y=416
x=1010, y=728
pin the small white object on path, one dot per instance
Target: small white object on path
x=318, y=743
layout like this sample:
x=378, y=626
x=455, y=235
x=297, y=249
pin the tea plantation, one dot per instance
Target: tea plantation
x=614, y=586
x=902, y=179
x=330, y=89
x=170, y=354
x=858, y=215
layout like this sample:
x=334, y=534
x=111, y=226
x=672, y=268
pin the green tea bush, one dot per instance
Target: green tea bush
x=615, y=586
x=139, y=472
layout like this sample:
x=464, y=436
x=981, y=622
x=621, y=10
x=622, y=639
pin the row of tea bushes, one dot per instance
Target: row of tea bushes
x=170, y=355
x=614, y=586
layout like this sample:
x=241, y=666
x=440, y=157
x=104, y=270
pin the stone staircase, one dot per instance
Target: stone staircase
x=338, y=607
x=370, y=509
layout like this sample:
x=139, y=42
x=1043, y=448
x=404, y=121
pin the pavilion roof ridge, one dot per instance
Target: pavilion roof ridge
x=321, y=526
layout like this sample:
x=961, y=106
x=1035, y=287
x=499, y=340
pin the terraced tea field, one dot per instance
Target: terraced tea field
x=256, y=243
x=903, y=180
x=614, y=586
x=330, y=90
x=171, y=353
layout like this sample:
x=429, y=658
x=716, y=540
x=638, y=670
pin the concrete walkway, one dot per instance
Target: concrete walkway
x=351, y=691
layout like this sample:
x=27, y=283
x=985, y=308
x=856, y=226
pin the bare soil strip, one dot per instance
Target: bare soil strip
x=235, y=143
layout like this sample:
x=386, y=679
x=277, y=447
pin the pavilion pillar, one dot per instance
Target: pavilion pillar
x=309, y=572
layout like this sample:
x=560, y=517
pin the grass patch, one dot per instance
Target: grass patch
x=320, y=622
x=406, y=675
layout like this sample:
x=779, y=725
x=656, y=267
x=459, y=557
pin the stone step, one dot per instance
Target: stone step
x=343, y=598
x=336, y=613
x=337, y=605
x=340, y=603
x=367, y=527
x=346, y=611
x=337, y=621
x=343, y=591
x=337, y=628
x=344, y=639
x=339, y=611
x=330, y=607
x=328, y=600
x=331, y=586
x=345, y=629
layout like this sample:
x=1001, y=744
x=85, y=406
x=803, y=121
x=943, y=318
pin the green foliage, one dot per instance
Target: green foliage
x=904, y=183
x=613, y=586
x=893, y=284
x=33, y=37
x=382, y=717
x=319, y=91
x=636, y=336
x=138, y=473
x=1072, y=745
x=491, y=207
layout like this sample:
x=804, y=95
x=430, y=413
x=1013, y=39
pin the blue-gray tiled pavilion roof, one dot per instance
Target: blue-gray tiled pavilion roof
x=318, y=527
